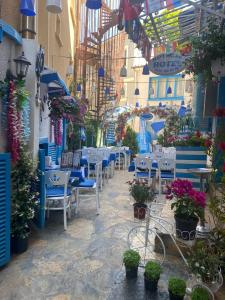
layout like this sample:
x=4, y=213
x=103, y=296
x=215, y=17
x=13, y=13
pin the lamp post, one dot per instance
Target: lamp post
x=22, y=66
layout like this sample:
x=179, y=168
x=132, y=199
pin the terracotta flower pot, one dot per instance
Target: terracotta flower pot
x=139, y=211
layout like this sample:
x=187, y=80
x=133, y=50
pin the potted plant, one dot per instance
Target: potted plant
x=176, y=288
x=152, y=275
x=24, y=200
x=141, y=193
x=131, y=260
x=205, y=263
x=200, y=293
x=188, y=205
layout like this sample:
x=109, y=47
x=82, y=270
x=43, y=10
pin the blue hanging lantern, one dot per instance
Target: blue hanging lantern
x=94, y=4
x=160, y=104
x=137, y=92
x=78, y=87
x=123, y=71
x=101, y=72
x=27, y=8
x=137, y=104
x=145, y=70
x=169, y=90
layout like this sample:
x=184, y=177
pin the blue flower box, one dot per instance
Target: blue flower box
x=188, y=157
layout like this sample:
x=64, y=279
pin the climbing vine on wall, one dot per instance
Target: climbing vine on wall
x=15, y=115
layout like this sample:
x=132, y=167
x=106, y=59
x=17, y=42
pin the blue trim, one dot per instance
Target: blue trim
x=8, y=30
x=167, y=97
x=5, y=197
x=191, y=166
x=43, y=141
x=190, y=148
x=41, y=210
x=190, y=157
x=64, y=134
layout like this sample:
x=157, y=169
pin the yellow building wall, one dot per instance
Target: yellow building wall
x=56, y=34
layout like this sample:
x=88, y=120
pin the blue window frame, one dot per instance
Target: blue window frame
x=160, y=85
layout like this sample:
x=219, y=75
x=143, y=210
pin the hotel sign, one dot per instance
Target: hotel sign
x=167, y=64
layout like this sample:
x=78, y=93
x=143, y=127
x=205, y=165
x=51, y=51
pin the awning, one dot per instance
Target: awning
x=55, y=84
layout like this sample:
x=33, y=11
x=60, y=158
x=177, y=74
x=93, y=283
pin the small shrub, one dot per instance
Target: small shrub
x=153, y=271
x=131, y=259
x=200, y=293
x=177, y=286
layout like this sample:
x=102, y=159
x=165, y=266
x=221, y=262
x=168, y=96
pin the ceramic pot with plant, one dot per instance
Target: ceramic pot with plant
x=204, y=262
x=152, y=275
x=200, y=293
x=188, y=205
x=176, y=288
x=131, y=260
x=141, y=193
x=24, y=196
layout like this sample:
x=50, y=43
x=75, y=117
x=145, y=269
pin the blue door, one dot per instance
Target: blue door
x=4, y=208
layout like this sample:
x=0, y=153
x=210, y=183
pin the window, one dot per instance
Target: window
x=159, y=87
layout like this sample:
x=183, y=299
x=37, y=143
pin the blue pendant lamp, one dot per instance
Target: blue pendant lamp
x=27, y=8
x=137, y=92
x=94, y=4
x=101, y=72
x=78, y=87
x=137, y=104
x=169, y=90
x=160, y=104
x=145, y=70
x=182, y=103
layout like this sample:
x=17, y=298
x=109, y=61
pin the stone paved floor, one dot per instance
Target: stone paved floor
x=85, y=261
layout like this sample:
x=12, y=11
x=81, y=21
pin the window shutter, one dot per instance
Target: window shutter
x=4, y=208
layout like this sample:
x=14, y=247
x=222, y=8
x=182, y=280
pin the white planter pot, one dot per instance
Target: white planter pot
x=54, y=6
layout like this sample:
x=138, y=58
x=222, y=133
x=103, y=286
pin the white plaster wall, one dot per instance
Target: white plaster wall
x=8, y=51
x=30, y=48
x=45, y=120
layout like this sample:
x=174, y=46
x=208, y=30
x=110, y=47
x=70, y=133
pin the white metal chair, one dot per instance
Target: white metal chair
x=167, y=171
x=57, y=193
x=93, y=159
x=66, y=160
x=90, y=185
x=143, y=169
x=76, y=158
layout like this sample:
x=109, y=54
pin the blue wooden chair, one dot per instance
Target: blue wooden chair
x=167, y=171
x=57, y=193
x=90, y=185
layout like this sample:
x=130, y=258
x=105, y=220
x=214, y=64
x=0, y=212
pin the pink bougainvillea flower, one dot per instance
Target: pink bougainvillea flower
x=208, y=143
x=219, y=112
x=198, y=134
x=222, y=146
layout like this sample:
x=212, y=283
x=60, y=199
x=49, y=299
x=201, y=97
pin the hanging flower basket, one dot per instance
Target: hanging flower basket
x=63, y=107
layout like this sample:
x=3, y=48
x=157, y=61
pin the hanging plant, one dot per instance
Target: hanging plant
x=63, y=107
x=21, y=94
x=207, y=47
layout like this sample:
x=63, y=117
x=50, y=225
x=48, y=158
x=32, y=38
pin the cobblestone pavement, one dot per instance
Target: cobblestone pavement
x=83, y=262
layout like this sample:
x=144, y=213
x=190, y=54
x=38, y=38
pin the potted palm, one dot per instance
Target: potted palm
x=176, y=288
x=24, y=200
x=152, y=275
x=200, y=293
x=141, y=193
x=188, y=205
x=131, y=260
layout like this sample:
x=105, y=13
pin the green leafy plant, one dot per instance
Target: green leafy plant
x=24, y=194
x=204, y=261
x=153, y=270
x=177, y=286
x=209, y=45
x=130, y=140
x=141, y=191
x=62, y=107
x=21, y=94
x=200, y=293
x=131, y=259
